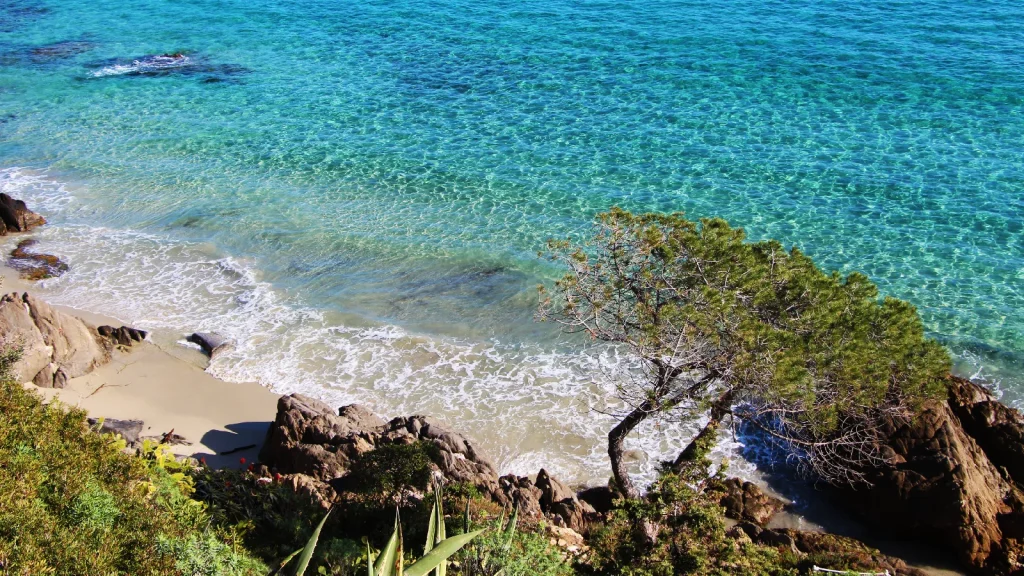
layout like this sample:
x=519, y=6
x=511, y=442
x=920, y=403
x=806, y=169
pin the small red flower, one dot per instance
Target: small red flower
x=227, y=484
x=251, y=466
x=277, y=477
x=242, y=460
x=202, y=461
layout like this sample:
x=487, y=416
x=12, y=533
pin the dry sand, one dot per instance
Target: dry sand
x=163, y=384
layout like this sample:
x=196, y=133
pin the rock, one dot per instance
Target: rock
x=567, y=539
x=519, y=491
x=16, y=216
x=33, y=265
x=602, y=498
x=778, y=539
x=319, y=492
x=940, y=487
x=76, y=349
x=574, y=514
x=130, y=430
x=552, y=490
x=746, y=501
x=18, y=328
x=843, y=553
x=124, y=336
x=210, y=343
x=55, y=346
x=310, y=437
x=997, y=428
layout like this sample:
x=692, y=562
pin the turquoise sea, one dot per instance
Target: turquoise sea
x=356, y=191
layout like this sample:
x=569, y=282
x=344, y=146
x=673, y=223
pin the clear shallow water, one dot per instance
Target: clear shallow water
x=356, y=191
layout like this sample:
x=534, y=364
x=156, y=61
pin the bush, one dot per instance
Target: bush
x=71, y=502
x=392, y=469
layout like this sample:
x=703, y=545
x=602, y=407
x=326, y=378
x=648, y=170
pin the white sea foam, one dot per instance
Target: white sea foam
x=148, y=64
x=529, y=406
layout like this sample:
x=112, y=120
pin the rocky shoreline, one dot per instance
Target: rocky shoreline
x=954, y=478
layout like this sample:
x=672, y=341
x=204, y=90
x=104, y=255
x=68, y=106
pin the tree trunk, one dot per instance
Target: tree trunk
x=718, y=411
x=646, y=530
x=616, y=438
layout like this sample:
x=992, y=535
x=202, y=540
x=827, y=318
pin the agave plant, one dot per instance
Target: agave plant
x=436, y=551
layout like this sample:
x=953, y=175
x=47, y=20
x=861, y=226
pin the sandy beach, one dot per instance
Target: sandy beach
x=164, y=384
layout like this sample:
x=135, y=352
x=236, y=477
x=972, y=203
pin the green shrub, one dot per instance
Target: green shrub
x=391, y=469
x=71, y=502
x=207, y=555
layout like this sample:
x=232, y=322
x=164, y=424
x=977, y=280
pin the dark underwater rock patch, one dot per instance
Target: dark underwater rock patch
x=172, y=63
x=35, y=266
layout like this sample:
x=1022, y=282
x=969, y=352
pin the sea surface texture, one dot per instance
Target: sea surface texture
x=356, y=191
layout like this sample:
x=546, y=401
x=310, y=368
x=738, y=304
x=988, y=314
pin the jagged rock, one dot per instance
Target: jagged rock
x=319, y=492
x=552, y=490
x=55, y=346
x=210, y=343
x=309, y=437
x=35, y=265
x=997, y=428
x=123, y=336
x=940, y=486
x=601, y=498
x=130, y=430
x=746, y=501
x=520, y=491
x=16, y=216
x=574, y=514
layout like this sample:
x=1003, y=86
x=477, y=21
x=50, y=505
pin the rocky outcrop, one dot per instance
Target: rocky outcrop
x=310, y=438
x=951, y=480
x=746, y=501
x=55, y=346
x=16, y=217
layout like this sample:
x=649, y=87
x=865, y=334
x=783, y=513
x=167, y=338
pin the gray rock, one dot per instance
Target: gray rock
x=210, y=343
x=123, y=336
x=55, y=346
x=16, y=216
x=130, y=430
x=18, y=329
x=76, y=349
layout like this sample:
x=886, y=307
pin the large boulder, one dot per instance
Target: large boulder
x=55, y=346
x=18, y=329
x=210, y=343
x=16, y=217
x=76, y=346
x=942, y=482
x=310, y=437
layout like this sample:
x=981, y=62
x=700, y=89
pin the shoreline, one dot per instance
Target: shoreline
x=164, y=384
x=167, y=389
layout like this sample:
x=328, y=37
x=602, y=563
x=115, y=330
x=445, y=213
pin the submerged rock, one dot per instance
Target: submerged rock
x=174, y=63
x=35, y=266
